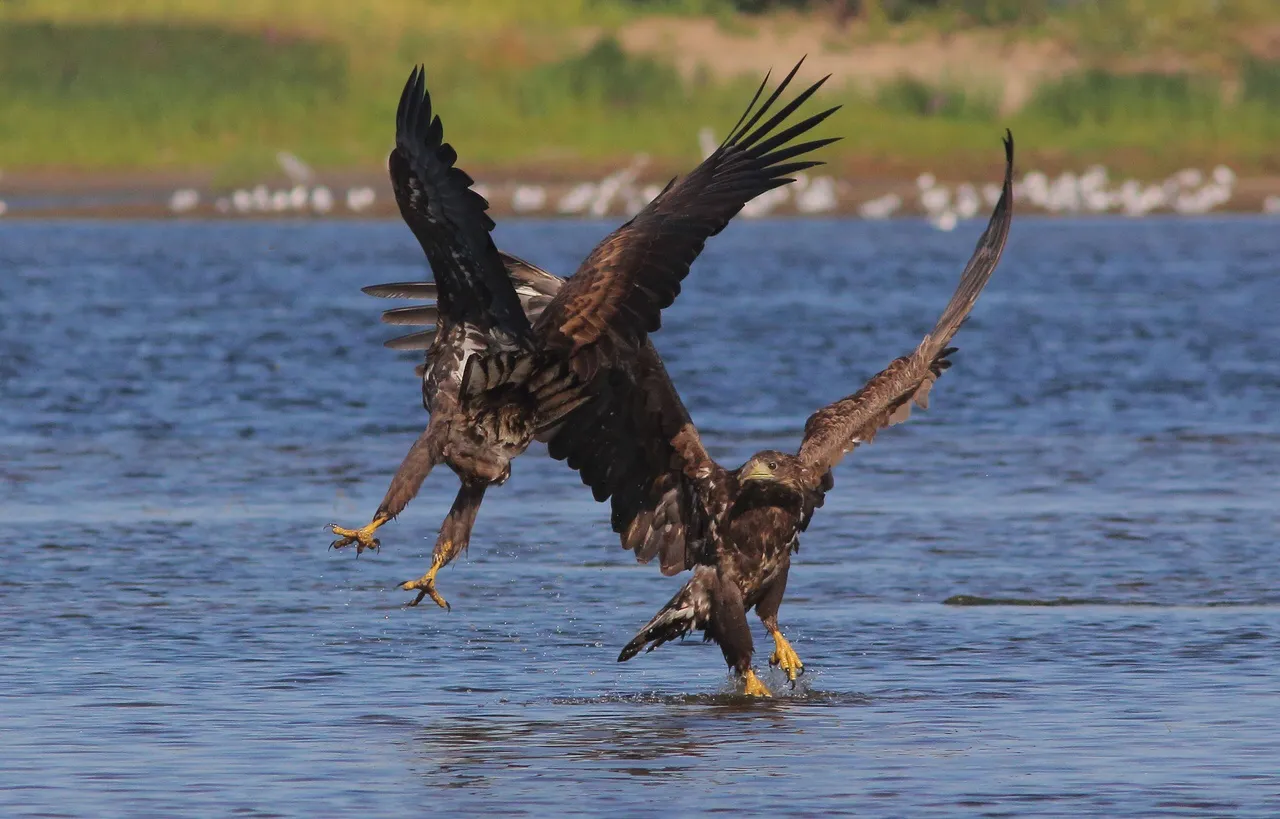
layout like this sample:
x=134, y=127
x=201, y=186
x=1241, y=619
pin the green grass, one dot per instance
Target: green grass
x=223, y=85
x=604, y=77
x=1102, y=98
x=103, y=95
x=912, y=97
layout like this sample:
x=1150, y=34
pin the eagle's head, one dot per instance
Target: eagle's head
x=772, y=470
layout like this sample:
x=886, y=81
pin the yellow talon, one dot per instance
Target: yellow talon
x=425, y=586
x=754, y=687
x=785, y=657
x=362, y=537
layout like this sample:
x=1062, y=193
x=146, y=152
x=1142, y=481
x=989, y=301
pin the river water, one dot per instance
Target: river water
x=1055, y=592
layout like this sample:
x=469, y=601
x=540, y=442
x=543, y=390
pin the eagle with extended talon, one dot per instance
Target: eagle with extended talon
x=737, y=528
x=494, y=379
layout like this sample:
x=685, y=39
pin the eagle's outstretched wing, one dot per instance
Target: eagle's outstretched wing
x=635, y=443
x=449, y=219
x=619, y=291
x=836, y=429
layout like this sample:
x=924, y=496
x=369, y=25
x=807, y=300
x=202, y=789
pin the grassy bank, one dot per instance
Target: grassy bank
x=223, y=85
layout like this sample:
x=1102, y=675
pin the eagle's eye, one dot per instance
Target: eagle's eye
x=773, y=465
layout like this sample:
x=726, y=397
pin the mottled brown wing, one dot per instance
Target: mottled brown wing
x=449, y=219
x=619, y=291
x=636, y=444
x=835, y=430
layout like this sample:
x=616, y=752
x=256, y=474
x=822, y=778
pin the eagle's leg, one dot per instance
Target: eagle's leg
x=729, y=628
x=426, y=585
x=362, y=537
x=455, y=534
x=404, y=486
x=753, y=687
x=784, y=656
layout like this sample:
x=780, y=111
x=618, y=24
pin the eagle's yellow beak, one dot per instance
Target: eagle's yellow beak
x=758, y=472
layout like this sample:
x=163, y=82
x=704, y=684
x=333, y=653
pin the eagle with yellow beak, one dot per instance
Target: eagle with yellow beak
x=740, y=526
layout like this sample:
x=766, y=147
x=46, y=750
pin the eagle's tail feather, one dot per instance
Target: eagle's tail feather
x=690, y=609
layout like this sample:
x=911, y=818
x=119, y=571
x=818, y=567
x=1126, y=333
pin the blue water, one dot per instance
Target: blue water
x=183, y=407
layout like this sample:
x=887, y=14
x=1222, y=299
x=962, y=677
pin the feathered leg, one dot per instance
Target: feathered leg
x=714, y=605
x=784, y=656
x=729, y=629
x=455, y=535
x=414, y=469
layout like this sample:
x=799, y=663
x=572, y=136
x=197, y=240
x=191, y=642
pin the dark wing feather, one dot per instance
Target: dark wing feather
x=619, y=291
x=636, y=444
x=833, y=431
x=449, y=219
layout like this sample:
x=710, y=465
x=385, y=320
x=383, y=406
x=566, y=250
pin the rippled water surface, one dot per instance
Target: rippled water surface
x=184, y=406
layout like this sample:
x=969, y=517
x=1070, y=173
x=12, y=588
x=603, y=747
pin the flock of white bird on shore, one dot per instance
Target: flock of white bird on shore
x=302, y=195
x=1189, y=191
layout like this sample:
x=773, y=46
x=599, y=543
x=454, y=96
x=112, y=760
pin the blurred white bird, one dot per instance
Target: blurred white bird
x=184, y=200
x=528, y=198
x=935, y=200
x=614, y=183
x=299, y=172
x=359, y=199
x=818, y=196
x=967, y=201
x=261, y=197
x=881, y=207
x=321, y=199
x=577, y=199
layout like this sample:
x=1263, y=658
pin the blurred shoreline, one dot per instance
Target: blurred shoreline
x=363, y=195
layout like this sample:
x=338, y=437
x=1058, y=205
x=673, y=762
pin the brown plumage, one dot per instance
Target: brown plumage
x=737, y=528
x=502, y=367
